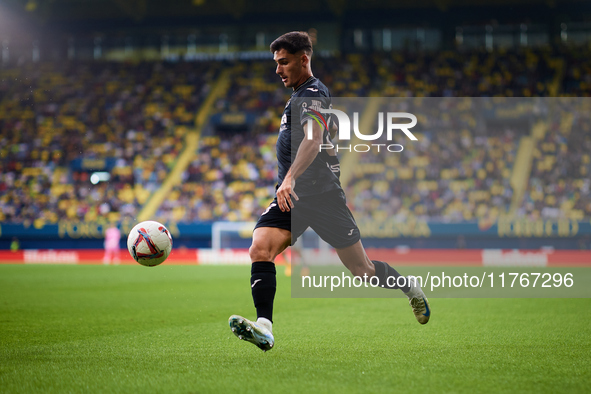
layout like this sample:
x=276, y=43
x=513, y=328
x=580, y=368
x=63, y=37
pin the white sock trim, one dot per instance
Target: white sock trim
x=413, y=292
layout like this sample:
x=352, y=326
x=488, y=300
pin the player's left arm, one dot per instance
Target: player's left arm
x=306, y=154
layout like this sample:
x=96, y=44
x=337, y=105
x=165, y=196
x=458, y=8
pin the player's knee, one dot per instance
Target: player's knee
x=259, y=253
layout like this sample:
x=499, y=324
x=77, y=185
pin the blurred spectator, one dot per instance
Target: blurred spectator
x=112, y=239
x=15, y=245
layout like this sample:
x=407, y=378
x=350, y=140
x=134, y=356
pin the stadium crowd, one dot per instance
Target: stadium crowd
x=59, y=122
x=230, y=179
x=559, y=185
x=454, y=172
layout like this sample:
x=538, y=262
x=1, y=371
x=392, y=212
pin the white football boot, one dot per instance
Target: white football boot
x=258, y=333
x=418, y=301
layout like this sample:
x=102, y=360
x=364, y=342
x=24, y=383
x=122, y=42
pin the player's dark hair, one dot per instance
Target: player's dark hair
x=293, y=42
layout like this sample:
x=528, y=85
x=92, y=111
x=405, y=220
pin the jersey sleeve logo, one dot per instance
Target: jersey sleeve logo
x=319, y=119
x=314, y=105
x=312, y=89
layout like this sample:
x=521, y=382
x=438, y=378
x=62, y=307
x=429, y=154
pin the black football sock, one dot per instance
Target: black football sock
x=263, y=282
x=384, y=271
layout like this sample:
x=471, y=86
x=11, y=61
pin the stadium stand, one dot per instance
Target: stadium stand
x=60, y=120
x=469, y=73
x=231, y=179
x=451, y=174
x=559, y=183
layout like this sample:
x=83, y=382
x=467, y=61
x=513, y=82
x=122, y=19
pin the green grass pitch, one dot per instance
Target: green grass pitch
x=131, y=329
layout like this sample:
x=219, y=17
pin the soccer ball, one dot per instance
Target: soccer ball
x=149, y=243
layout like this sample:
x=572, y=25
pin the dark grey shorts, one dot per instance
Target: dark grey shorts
x=327, y=214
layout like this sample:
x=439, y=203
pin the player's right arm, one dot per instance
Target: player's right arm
x=306, y=154
x=332, y=131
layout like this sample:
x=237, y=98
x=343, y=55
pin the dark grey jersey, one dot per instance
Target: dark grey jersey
x=306, y=100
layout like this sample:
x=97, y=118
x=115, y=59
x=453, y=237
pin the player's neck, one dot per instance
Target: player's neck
x=305, y=77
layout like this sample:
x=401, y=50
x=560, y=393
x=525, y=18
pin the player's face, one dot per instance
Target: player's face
x=290, y=67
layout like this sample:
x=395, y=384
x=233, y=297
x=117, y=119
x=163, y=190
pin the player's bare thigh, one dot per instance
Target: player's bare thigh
x=268, y=243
